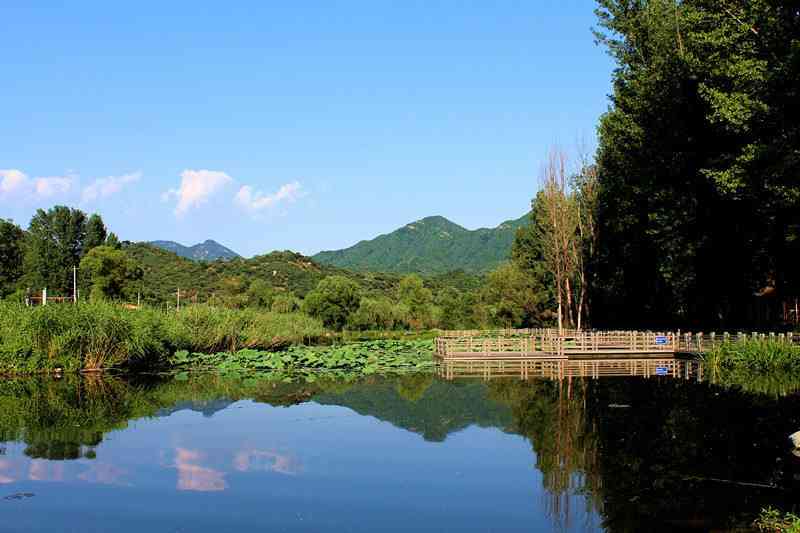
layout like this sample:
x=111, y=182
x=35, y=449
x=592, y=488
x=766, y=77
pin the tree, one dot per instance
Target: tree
x=11, y=253
x=374, y=313
x=111, y=273
x=699, y=197
x=113, y=241
x=412, y=293
x=55, y=245
x=285, y=302
x=333, y=301
x=260, y=294
x=96, y=232
x=515, y=298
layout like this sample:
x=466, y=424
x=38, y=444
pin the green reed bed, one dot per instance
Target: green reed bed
x=756, y=355
x=96, y=336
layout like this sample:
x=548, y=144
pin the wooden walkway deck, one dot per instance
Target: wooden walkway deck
x=550, y=344
x=547, y=344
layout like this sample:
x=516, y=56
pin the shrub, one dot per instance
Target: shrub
x=333, y=301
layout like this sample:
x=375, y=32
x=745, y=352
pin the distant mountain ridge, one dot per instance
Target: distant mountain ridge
x=432, y=245
x=205, y=251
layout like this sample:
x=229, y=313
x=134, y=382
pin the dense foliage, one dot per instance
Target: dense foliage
x=433, y=245
x=698, y=162
x=11, y=254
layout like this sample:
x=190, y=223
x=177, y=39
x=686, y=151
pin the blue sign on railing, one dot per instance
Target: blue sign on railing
x=662, y=339
x=662, y=371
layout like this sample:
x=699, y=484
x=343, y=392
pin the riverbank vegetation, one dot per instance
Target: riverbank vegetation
x=756, y=355
x=773, y=521
x=101, y=335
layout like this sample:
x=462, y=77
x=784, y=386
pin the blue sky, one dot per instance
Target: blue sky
x=303, y=125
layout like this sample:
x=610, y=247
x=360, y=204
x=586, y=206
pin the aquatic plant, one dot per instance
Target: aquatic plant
x=364, y=358
x=773, y=521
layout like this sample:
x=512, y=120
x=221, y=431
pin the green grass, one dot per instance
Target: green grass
x=756, y=355
x=773, y=521
x=96, y=336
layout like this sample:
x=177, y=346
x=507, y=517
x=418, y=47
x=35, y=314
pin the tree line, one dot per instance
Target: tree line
x=61, y=239
x=57, y=243
x=689, y=213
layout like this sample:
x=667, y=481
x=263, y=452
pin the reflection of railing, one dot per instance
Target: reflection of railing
x=558, y=369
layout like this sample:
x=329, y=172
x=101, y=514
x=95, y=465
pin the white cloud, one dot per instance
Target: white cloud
x=257, y=201
x=52, y=186
x=15, y=182
x=105, y=187
x=12, y=180
x=196, y=187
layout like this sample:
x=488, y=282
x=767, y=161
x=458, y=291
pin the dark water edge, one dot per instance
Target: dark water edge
x=207, y=452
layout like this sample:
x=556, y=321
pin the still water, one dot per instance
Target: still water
x=413, y=453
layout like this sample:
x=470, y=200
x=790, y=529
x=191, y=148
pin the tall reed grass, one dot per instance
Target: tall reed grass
x=755, y=355
x=95, y=336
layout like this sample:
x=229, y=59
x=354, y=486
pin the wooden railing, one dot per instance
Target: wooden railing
x=546, y=343
x=703, y=342
x=549, y=342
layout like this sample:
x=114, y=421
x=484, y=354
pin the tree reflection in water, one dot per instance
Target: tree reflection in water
x=658, y=453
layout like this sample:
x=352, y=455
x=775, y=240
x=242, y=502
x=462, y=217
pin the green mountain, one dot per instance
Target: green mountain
x=164, y=273
x=433, y=245
x=205, y=251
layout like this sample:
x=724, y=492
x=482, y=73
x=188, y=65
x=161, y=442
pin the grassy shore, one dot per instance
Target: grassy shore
x=756, y=356
x=95, y=336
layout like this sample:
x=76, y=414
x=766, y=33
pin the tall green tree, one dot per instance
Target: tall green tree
x=11, y=253
x=698, y=162
x=111, y=273
x=55, y=244
x=418, y=299
x=96, y=232
x=333, y=301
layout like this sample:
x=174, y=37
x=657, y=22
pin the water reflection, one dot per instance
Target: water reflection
x=558, y=369
x=597, y=445
x=194, y=476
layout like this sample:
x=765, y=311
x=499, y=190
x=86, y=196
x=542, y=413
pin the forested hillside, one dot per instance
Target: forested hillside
x=165, y=272
x=433, y=245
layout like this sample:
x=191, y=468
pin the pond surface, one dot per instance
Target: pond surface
x=410, y=453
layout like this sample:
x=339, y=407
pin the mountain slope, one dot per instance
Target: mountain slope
x=433, y=245
x=205, y=251
x=164, y=273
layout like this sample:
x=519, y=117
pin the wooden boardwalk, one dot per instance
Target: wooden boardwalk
x=550, y=344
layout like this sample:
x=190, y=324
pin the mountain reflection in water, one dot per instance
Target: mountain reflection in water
x=598, y=447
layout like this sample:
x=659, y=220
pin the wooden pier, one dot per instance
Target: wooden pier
x=552, y=344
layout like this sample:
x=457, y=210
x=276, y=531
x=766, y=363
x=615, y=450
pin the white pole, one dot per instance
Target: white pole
x=74, y=284
x=44, y=296
x=179, y=299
